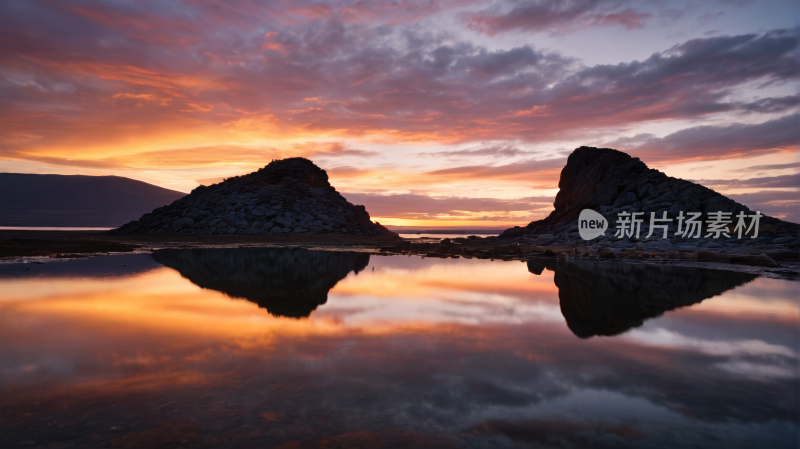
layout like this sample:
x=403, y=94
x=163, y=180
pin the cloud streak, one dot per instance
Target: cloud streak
x=419, y=206
x=556, y=17
x=715, y=142
x=784, y=181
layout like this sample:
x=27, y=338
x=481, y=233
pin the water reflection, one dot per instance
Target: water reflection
x=286, y=282
x=411, y=352
x=611, y=298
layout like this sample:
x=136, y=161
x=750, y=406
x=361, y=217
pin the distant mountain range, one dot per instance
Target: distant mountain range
x=74, y=200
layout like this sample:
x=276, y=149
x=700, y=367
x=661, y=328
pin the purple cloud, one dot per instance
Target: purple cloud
x=557, y=17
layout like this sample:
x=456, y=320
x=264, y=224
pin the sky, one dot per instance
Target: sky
x=431, y=113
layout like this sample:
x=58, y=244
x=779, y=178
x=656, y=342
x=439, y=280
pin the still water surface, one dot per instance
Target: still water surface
x=263, y=348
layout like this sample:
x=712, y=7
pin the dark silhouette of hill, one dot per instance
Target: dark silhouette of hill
x=290, y=195
x=610, y=182
x=75, y=200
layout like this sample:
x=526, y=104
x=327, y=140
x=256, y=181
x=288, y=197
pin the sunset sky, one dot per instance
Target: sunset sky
x=431, y=113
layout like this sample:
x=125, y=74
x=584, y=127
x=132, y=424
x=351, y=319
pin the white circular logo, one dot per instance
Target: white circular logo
x=591, y=224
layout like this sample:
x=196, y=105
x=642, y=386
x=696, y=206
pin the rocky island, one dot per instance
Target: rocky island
x=611, y=182
x=287, y=196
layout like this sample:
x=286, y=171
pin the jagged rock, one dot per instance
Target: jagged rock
x=610, y=181
x=287, y=196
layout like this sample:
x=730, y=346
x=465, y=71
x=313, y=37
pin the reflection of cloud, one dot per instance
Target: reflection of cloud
x=664, y=337
x=758, y=371
x=160, y=340
x=546, y=431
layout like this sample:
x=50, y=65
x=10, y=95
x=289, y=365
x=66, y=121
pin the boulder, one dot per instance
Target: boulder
x=758, y=260
x=286, y=196
x=671, y=254
x=606, y=253
x=711, y=256
x=544, y=240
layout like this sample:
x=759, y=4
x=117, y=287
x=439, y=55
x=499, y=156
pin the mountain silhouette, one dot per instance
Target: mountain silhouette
x=75, y=200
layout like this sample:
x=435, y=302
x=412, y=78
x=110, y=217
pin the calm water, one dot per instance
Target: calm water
x=442, y=236
x=265, y=348
x=51, y=228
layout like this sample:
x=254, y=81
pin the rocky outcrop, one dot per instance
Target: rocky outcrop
x=610, y=182
x=609, y=299
x=285, y=282
x=287, y=196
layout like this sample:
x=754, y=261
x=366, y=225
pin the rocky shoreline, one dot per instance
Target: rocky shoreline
x=51, y=245
x=760, y=259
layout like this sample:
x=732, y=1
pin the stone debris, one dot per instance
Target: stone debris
x=287, y=196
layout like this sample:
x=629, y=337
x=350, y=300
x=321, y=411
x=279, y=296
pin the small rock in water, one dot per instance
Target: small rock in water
x=606, y=253
x=671, y=254
x=760, y=260
x=711, y=256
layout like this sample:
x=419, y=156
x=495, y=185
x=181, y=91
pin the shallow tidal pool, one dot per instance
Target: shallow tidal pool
x=242, y=348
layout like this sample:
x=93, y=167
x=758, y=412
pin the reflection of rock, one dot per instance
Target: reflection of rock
x=609, y=298
x=286, y=282
x=537, y=266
